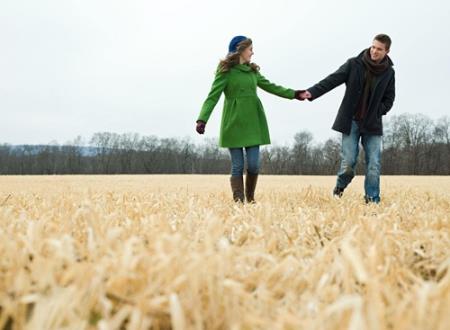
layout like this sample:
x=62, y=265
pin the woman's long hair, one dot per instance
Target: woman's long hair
x=232, y=59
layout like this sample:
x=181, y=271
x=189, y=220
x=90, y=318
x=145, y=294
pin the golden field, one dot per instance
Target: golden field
x=174, y=252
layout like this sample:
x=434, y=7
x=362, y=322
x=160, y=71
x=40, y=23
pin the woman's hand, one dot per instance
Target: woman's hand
x=302, y=95
x=200, y=128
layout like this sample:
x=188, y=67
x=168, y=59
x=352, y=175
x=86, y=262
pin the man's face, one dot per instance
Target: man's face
x=378, y=51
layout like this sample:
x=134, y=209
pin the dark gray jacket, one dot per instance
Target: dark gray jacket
x=382, y=96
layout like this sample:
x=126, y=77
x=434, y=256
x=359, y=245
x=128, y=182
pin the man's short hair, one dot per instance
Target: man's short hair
x=384, y=39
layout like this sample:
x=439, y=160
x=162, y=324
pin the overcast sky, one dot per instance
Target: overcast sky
x=70, y=68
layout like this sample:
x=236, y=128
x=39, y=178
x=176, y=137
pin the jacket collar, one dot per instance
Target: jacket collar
x=359, y=57
x=243, y=67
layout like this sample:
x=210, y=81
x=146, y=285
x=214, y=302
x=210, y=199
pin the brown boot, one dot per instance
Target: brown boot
x=250, y=186
x=237, y=187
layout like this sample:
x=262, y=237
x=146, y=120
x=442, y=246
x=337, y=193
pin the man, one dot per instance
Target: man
x=369, y=95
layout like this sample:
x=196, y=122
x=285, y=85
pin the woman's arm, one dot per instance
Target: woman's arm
x=218, y=86
x=272, y=88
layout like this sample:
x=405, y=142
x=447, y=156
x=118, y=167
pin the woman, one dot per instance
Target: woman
x=244, y=123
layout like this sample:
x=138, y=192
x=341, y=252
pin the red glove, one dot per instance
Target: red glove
x=200, y=128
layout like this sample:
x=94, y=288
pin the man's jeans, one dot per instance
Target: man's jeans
x=349, y=157
x=237, y=160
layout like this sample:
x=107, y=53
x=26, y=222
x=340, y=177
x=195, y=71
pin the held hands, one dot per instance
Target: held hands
x=302, y=95
x=200, y=128
x=306, y=95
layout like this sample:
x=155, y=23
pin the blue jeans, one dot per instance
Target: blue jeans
x=349, y=157
x=237, y=160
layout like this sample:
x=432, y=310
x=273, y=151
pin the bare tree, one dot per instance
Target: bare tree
x=301, y=152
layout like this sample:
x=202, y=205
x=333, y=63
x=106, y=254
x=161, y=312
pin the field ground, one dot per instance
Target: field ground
x=173, y=252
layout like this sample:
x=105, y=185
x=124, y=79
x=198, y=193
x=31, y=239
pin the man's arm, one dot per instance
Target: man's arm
x=389, y=96
x=333, y=80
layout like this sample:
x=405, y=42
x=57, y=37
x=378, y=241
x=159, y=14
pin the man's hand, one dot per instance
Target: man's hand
x=200, y=128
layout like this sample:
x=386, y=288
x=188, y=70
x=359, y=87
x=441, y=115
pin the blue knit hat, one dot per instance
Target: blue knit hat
x=232, y=47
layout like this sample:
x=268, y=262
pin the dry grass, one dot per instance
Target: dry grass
x=172, y=252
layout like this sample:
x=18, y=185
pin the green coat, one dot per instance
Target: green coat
x=243, y=123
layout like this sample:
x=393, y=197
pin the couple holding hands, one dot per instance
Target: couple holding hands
x=369, y=95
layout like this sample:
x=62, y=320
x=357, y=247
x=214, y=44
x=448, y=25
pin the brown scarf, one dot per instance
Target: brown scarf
x=373, y=69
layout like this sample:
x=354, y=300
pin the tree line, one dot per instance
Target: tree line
x=413, y=144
